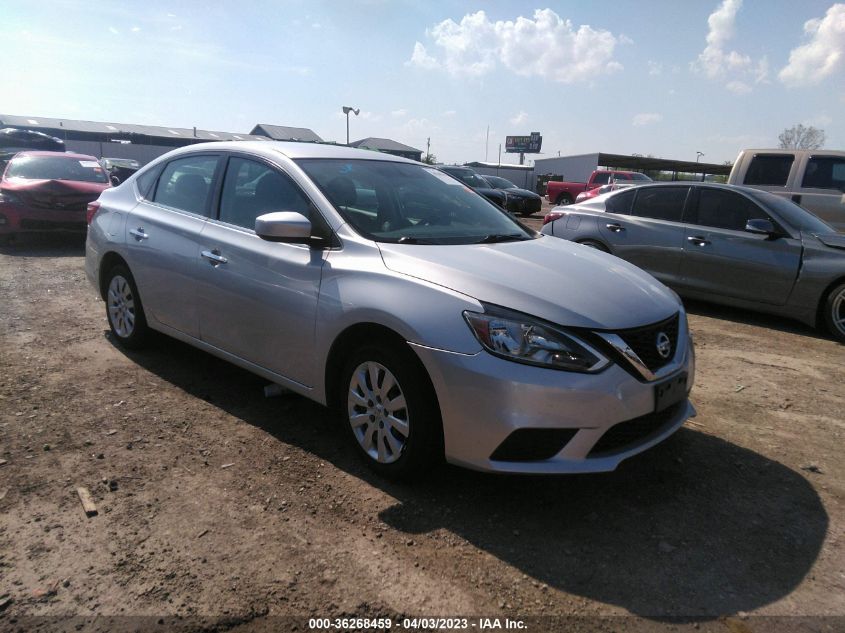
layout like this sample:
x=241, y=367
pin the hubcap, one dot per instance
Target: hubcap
x=837, y=312
x=377, y=412
x=121, y=306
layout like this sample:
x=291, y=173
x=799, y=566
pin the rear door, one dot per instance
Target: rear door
x=162, y=234
x=722, y=259
x=645, y=227
x=258, y=299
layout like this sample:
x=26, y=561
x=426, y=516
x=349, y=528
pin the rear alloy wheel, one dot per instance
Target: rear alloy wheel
x=391, y=411
x=834, y=312
x=563, y=199
x=123, y=309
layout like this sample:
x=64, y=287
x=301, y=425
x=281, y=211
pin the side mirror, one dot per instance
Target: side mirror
x=283, y=226
x=115, y=181
x=761, y=227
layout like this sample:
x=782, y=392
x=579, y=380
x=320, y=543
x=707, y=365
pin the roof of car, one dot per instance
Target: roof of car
x=62, y=154
x=296, y=150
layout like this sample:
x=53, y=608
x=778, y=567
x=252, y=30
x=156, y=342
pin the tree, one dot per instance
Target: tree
x=430, y=159
x=800, y=137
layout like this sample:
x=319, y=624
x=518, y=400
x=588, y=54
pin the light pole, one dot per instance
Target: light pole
x=698, y=155
x=346, y=111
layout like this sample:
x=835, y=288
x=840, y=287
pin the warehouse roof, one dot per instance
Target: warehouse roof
x=117, y=129
x=285, y=133
x=384, y=145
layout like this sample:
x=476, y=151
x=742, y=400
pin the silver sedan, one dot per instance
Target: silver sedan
x=733, y=245
x=437, y=324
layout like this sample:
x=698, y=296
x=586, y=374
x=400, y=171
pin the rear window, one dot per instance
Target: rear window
x=825, y=172
x=56, y=168
x=769, y=169
x=621, y=202
x=660, y=203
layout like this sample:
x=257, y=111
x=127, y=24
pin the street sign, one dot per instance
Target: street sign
x=524, y=144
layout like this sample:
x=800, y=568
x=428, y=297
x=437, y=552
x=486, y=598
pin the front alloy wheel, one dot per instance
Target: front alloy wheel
x=391, y=411
x=378, y=412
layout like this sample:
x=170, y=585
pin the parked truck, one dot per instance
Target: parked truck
x=815, y=179
x=566, y=192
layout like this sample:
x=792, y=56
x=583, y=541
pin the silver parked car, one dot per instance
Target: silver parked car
x=435, y=322
x=732, y=245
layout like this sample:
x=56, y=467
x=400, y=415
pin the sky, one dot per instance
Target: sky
x=652, y=77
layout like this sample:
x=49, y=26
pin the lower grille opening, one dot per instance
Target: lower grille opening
x=626, y=434
x=531, y=445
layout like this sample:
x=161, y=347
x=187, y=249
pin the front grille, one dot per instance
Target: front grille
x=626, y=435
x=47, y=225
x=643, y=341
x=531, y=445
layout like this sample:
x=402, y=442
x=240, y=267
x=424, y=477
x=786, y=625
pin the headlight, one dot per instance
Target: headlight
x=521, y=338
x=8, y=196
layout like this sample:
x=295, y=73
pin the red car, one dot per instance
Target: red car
x=48, y=191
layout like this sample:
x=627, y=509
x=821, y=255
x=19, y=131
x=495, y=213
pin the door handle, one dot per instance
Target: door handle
x=616, y=228
x=138, y=233
x=697, y=240
x=214, y=257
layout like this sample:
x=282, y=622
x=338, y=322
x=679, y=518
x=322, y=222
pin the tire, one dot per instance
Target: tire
x=834, y=312
x=596, y=245
x=402, y=442
x=563, y=199
x=124, y=310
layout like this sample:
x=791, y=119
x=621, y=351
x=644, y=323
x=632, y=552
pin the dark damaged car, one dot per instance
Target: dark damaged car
x=477, y=184
x=48, y=191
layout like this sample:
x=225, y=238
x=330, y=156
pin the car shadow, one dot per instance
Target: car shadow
x=697, y=527
x=45, y=245
x=749, y=317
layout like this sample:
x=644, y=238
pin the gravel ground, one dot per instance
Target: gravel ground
x=214, y=501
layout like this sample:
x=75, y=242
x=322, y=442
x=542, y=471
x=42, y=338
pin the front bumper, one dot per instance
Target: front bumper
x=17, y=218
x=484, y=399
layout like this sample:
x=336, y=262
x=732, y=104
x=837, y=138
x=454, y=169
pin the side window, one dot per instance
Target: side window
x=660, y=203
x=726, y=210
x=601, y=178
x=146, y=181
x=621, y=202
x=185, y=183
x=251, y=189
x=825, y=172
x=771, y=169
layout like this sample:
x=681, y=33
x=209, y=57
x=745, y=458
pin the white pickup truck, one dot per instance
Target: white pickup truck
x=815, y=179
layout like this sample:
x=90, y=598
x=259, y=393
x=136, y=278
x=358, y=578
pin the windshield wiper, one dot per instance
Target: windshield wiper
x=413, y=240
x=502, y=237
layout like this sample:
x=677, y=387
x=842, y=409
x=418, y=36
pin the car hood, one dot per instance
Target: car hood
x=521, y=193
x=834, y=240
x=488, y=191
x=556, y=280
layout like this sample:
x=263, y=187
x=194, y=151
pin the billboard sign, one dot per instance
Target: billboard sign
x=524, y=144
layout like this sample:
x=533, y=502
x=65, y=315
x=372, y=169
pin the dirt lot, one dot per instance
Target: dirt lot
x=216, y=501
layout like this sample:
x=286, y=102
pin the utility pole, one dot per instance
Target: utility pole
x=500, y=159
x=487, y=144
x=428, y=149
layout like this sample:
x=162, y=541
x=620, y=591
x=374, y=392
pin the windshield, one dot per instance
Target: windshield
x=406, y=203
x=500, y=183
x=797, y=217
x=638, y=176
x=56, y=168
x=468, y=177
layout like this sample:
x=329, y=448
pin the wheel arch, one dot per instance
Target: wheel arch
x=109, y=261
x=820, y=317
x=351, y=339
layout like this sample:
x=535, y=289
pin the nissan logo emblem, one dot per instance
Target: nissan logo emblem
x=664, y=345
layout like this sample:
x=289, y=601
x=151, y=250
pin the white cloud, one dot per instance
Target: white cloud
x=135, y=29
x=823, y=55
x=451, y=113
x=421, y=58
x=655, y=68
x=546, y=46
x=399, y=113
x=646, y=118
x=738, y=87
x=113, y=31
x=736, y=69
x=521, y=117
